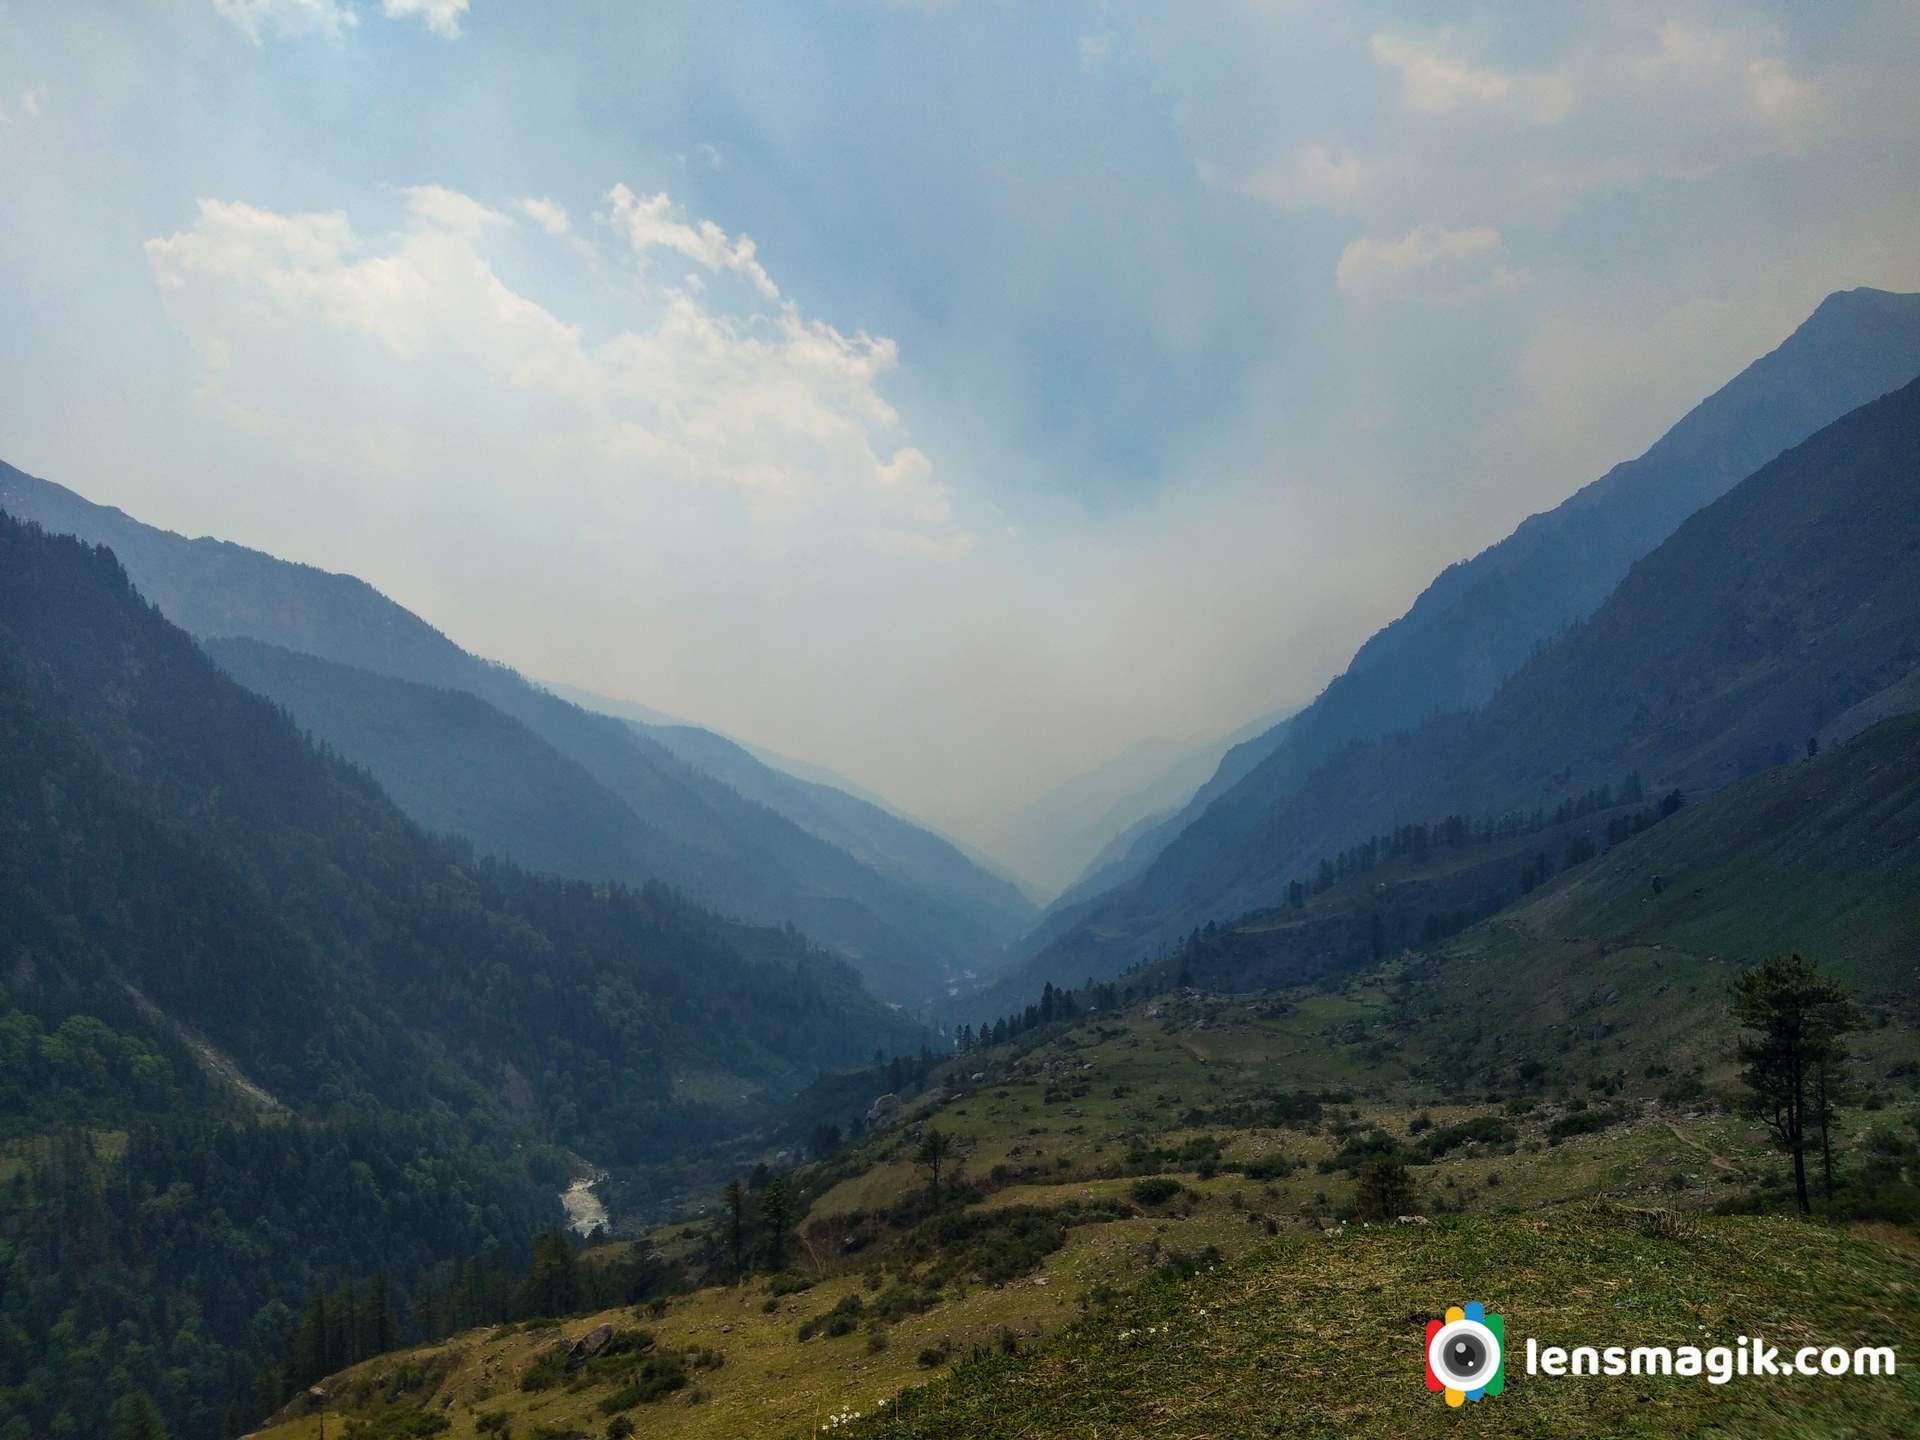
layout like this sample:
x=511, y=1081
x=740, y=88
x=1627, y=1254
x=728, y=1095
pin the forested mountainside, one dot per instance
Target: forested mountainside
x=250, y=1010
x=867, y=831
x=1820, y=855
x=1769, y=614
x=1480, y=619
x=457, y=764
x=910, y=912
x=181, y=836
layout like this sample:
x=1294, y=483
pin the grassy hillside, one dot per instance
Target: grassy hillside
x=1165, y=1150
x=1252, y=1112
x=1558, y=1080
x=1324, y=1337
x=1820, y=855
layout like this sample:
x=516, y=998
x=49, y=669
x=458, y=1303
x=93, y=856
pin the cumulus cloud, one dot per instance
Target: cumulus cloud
x=776, y=409
x=1738, y=71
x=1315, y=175
x=260, y=20
x=1429, y=262
x=442, y=17
x=547, y=214
x=1435, y=83
x=654, y=222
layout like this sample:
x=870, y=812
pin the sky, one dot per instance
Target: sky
x=951, y=393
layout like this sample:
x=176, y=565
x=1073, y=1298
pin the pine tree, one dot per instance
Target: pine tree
x=1384, y=1190
x=1798, y=1016
x=135, y=1417
x=935, y=1147
x=553, y=1284
x=776, y=1211
x=735, y=1199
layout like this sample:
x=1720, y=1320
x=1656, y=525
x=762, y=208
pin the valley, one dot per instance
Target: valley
x=393, y=1045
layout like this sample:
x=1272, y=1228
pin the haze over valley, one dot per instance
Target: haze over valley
x=880, y=718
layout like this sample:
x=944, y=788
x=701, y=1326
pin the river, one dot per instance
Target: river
x=585, y=1213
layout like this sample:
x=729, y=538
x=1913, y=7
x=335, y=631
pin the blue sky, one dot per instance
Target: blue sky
x=951, y=393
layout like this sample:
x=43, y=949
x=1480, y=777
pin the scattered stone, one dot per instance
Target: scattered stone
x=590, y=1344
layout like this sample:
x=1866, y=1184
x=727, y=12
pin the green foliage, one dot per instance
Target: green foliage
x=1154, y=1190
x=1582, y=1122
x=1482, y=1129
x=1383, y=1191
x=181, y=859
x=995, y=1246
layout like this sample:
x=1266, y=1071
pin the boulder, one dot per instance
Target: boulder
x=590, y=1344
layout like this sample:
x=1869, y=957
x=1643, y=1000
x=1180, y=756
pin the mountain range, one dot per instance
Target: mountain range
x=472, y=748
x=1445, y=710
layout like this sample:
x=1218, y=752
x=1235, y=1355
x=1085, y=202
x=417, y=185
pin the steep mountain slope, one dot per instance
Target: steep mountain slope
x=695, y=832
x=456, y=765
x=175, y=833
x=874, y=836
x=1482, y=618
x=1768, y=615
x=1820, y=855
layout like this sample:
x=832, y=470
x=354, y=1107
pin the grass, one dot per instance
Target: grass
x=1505, y=1042
x=1323, y=1336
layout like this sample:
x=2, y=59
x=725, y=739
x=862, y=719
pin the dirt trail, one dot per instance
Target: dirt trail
x=1719, y=1162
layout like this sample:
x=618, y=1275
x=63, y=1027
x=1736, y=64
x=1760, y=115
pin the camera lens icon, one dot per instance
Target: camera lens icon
x=1464, y=1353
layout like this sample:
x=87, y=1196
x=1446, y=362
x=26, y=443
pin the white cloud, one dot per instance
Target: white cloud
x=284, y=19
x=654, y=223
x=1316, y=175
x=548, y=215
x=1429, y=262
x=451, y=210
x=442, y=17
x=777, y=410
x=1739, y=71
x=1433, y=83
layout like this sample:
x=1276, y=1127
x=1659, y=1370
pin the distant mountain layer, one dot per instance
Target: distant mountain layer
x=1777, y=611
x=910, y=910
x=1481, y=619
x=1085, y=826
x=180, y=855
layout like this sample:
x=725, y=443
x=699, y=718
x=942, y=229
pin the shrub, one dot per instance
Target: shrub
x=842, y=1319
x=1581, y=1122
x=1156, y=1190
x=1486, y=1129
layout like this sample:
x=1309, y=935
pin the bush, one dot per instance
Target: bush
x=842, y=1319
x=1268, y=1167
x=1484, y=1129
x=1155, y=1191
x=1581, y=1122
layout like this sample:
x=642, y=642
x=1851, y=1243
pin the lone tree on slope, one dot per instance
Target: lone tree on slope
x=1797, y=1017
